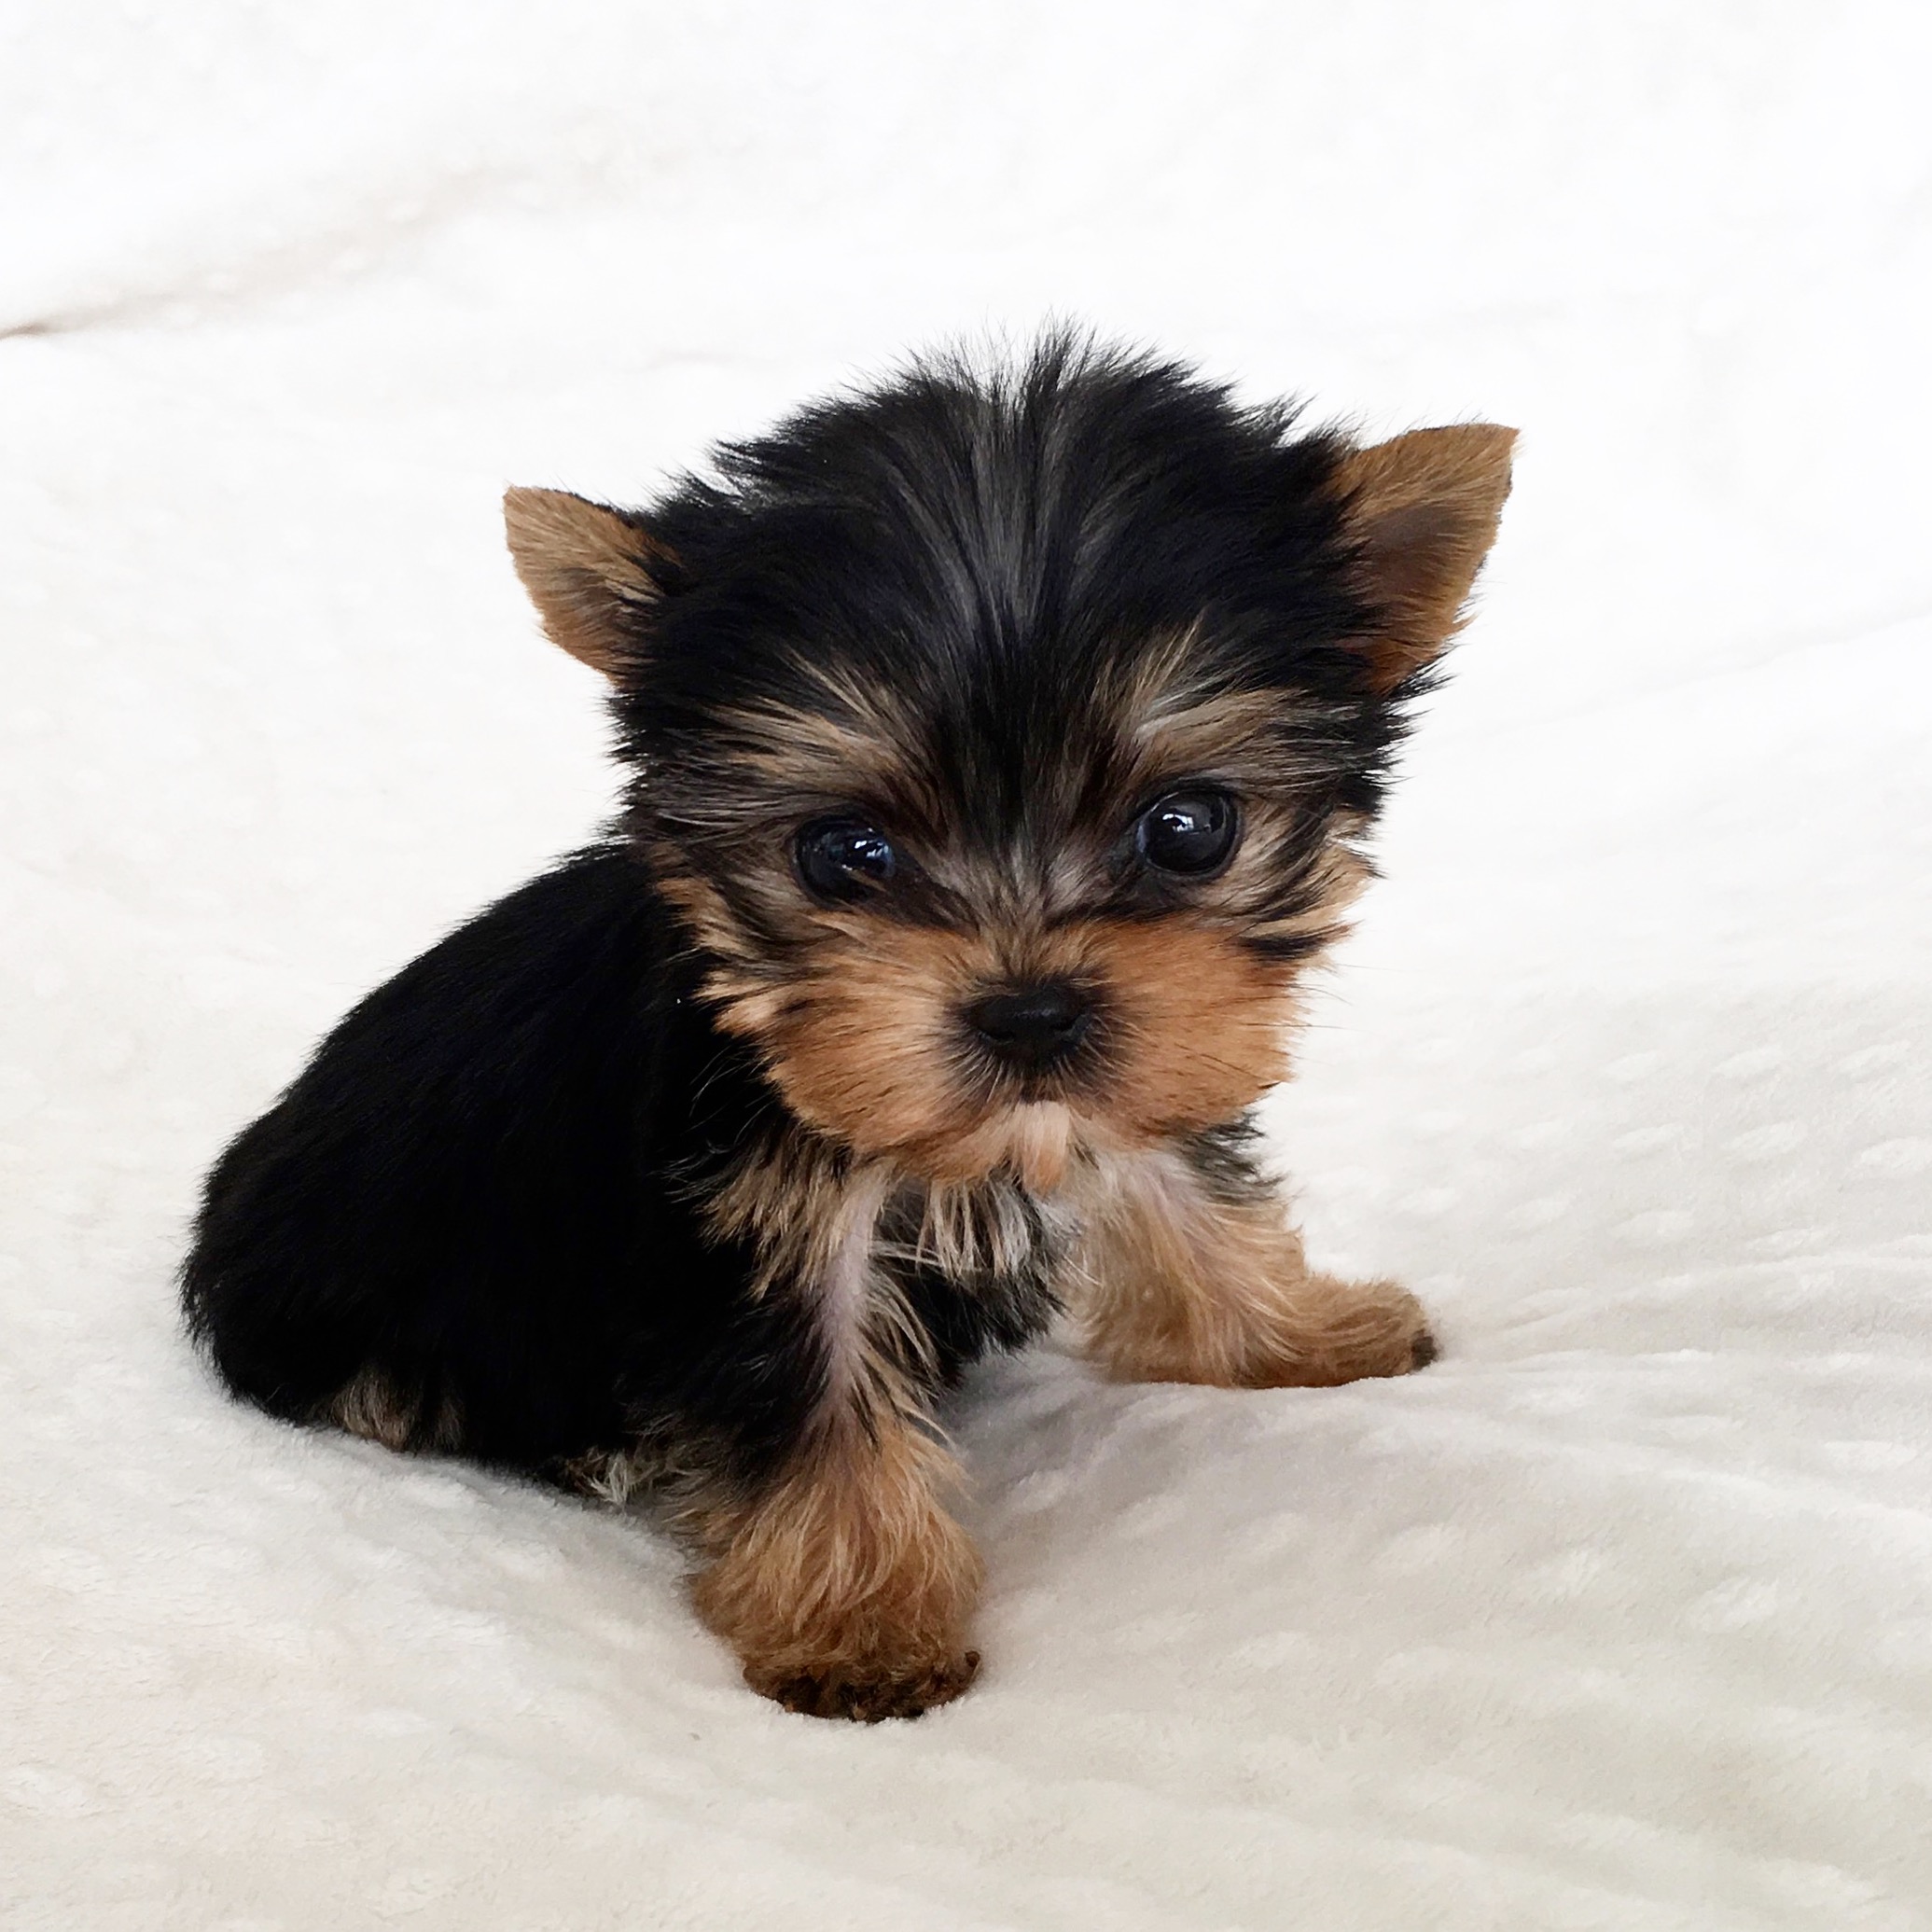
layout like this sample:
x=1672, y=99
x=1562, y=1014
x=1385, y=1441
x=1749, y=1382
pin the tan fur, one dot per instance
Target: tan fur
x=614, y=1476
x=865, y=1045
x=860, y=1044
x=583, y=565
x=1204, y=1023
x=851, y=743
x=979, y=1228
x=1340, y=874
x=372, y=1407
x=1425, y=508
x=1210, y=734
x=791, y=1201
x=845, y=1587
x=743, y=974
x=1249, y=736
x=1175, y=1284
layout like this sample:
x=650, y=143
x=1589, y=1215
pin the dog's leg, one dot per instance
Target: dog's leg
x=1188, y=1270
x=842, y=1584
x=836, y=1573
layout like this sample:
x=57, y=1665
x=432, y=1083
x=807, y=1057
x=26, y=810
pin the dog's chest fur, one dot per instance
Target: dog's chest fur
x=903, y=1278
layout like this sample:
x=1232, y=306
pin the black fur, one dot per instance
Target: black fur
x=981, y=544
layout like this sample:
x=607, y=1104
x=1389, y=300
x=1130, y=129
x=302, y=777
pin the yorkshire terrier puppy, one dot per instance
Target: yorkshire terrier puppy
x=1002, y=744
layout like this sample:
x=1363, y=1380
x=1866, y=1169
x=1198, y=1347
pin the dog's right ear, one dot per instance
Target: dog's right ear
x=1422, y=511
x=588, y=571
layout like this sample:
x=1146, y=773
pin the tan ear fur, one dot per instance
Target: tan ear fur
x=1423, y=509
x=584, y=567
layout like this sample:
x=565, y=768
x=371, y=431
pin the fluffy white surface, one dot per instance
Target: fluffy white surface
x=1619, y=1616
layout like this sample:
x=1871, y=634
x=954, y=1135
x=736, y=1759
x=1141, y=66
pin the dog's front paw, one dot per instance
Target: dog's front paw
x=846, y=1599
x=1334, y=1332
x=867, y=1692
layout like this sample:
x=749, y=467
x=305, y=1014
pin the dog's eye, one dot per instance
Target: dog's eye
x=839, y=858
x=1190, y=831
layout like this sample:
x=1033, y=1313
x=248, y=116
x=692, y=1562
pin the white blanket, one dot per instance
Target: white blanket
x=1618, y=1617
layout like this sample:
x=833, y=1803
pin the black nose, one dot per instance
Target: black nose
x=1032, y=1026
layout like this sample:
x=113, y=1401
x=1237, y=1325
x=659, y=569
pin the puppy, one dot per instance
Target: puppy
x=1002, y=743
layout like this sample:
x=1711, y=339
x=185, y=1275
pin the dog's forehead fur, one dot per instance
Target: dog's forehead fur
x=1001, y=603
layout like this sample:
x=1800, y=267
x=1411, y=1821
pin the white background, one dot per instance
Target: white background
x=1621, y=1616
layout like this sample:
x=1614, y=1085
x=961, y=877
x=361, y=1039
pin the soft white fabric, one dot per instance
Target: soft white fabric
x=1620, y=1615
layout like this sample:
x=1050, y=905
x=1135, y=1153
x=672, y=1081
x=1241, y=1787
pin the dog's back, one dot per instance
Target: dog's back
x=455, y=1229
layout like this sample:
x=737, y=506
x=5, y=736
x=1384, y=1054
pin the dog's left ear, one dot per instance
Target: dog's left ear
x=1422, y=511
x=588, y=571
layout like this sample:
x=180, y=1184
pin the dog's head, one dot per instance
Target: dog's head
x=1006, y=738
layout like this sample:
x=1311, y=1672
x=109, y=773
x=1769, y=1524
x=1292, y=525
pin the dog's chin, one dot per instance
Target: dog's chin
x=1033, y=1140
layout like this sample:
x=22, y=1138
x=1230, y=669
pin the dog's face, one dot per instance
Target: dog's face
x=1007, y=741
